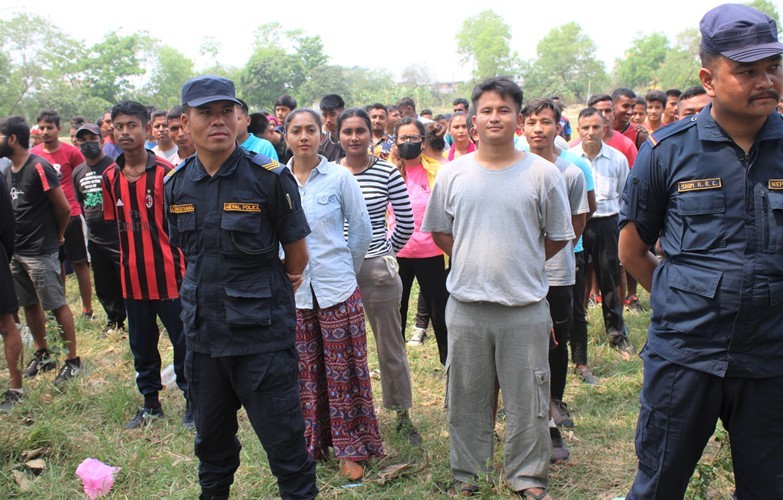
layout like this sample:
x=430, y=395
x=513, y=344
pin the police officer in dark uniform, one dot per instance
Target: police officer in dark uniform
x=711, y=188
x=229, y=210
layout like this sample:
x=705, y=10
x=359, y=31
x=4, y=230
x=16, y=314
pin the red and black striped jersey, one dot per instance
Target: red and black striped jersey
x=152, y=268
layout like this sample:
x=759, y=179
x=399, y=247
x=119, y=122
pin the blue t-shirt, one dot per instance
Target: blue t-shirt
x=589, y=184
x=259, y=145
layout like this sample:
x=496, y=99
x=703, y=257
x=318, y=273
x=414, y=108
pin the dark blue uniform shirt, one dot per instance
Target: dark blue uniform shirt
x=717, y=296
x=236, y=296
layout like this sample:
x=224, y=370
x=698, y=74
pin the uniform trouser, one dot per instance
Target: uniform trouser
x=105, y=261
x=267, y=385
x=679, y=410
x=430, y=272
x=600, y=240
x=561, y=311
x=381, y=289
x=577, y=337
x=143, y=335
x=489, y=342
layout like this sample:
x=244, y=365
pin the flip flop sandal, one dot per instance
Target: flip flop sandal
x=461, y=489
x=529, y=495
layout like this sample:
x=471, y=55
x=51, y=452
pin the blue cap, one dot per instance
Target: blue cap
x=740, y=33
x=207, y=88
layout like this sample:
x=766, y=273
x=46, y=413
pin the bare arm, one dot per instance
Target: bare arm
x=592, y=204
x=444, y=241
x=296, y=258
x=636, y=256
x=578, y=221
x=62, y=211
x=551, y=247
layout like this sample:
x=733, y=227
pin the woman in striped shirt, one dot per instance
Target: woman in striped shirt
x=379, y=280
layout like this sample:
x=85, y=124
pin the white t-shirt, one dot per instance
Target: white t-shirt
x=561, y=268
x=498, y=219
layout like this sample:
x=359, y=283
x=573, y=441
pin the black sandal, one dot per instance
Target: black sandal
x=529, y=495
x=461, y=489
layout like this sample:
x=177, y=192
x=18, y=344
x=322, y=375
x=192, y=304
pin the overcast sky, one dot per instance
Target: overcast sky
x=389, y=35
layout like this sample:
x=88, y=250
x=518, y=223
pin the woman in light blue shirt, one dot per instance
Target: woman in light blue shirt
x=334, y=379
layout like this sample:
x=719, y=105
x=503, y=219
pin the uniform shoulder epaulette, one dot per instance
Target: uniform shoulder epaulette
x=670, y=130
x=182, y=165
x=268, y=163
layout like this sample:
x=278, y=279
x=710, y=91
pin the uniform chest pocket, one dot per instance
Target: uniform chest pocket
x=243, y=234
x=327, y=211
x=703, y=216
x=187, y=235
x=772, y=223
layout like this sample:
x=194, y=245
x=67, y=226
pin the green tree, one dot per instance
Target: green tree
x=565, y=64
x=269, y=73
x=38, y=56
x=485, y=42
x=112, y=62
x=330, y=79
x=171, y=70
x=767, y=8
x=680, y=68
x=638, y=67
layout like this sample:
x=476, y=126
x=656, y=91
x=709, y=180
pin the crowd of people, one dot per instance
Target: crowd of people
x=265, y=242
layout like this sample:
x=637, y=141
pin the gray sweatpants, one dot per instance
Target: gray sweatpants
x=489, y=341
x=381, y=289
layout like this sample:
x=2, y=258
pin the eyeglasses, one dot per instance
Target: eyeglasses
x=415, y=138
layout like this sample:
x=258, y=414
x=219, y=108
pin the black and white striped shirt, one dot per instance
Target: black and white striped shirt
x=381, y=184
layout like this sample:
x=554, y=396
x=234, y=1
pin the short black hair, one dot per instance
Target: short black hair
x=287, y=101
x=331, y=102
x=392, y=107
x=707, y=58
x=77, y=121
x=131, y=108
x=673, y=93
x=48, y=116
x=175, y=113
x=691, y=92
x=309, y=111
x=641, y=100
x=503, y=86
x=535, y=106
x=406, y=102
x=16, y=125
x=259, y=124
x=595, y=99
x=623, y=92
x=244, y=107
x=425, y=111
x=377, y=105
x=588, y=112
x=461, y=100
x=353, y=112
x=656, y=95
x=158, y=113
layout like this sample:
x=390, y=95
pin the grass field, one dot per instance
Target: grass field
x=86, y=419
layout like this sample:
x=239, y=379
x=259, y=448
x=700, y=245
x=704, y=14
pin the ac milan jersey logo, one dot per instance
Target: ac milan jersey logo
x=148, y=199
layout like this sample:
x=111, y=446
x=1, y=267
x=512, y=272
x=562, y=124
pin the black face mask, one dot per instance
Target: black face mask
x=409, y=150
x=90, y=150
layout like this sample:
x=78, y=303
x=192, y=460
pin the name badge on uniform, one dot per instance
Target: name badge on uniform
x=698, y=185
x=182, y=209
x=242, y=207
x=775, y=184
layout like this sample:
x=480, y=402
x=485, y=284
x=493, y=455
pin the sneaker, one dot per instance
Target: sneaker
x=418, y=337
x=70, y=369
x=560, y=414
x=632, y=304
x=560, y=451
x=10, y=398
x=405, y=427
x=624, y=348
x=144, y=416
x=111, y=328
x=587, y=375
x=41, y=362
x=187, y=418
